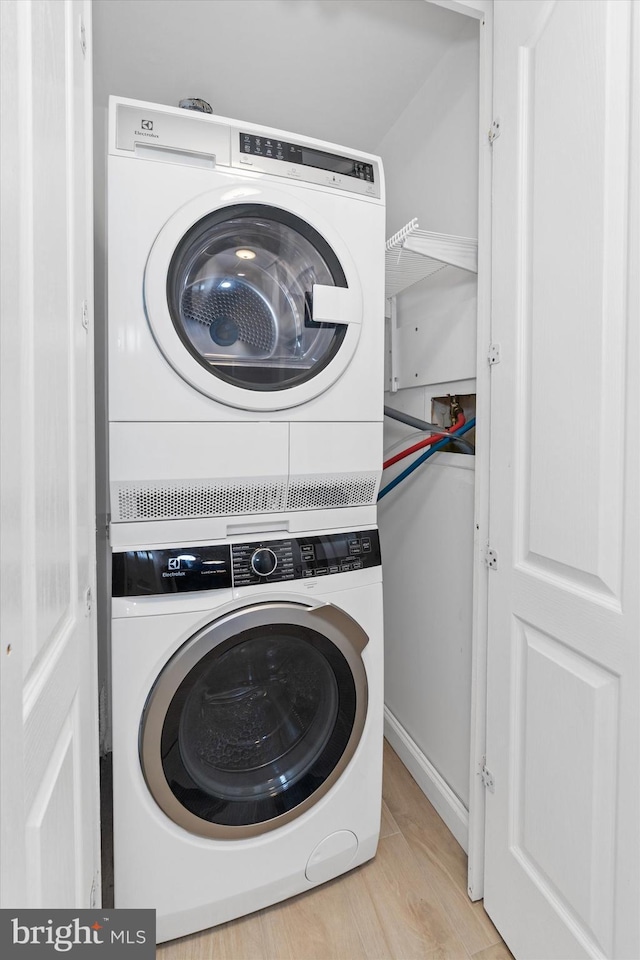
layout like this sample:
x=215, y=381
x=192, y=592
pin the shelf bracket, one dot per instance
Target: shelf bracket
x=394, y=380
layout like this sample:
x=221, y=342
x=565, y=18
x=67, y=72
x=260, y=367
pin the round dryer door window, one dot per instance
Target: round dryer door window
x=251, y=303
x=240, y=291
x=255, y=718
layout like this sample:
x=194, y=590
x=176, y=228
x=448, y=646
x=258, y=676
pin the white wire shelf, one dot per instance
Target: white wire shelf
x=412, y=255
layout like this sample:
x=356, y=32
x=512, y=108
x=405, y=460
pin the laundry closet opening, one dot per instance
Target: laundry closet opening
x=398, y=78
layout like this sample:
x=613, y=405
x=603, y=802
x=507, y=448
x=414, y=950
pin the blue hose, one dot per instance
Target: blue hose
x=425, y=456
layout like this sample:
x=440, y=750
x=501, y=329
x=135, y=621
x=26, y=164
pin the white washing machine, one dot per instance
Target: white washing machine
x=245, y=318
x=247, y=722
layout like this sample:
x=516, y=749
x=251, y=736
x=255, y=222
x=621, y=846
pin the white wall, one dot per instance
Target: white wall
x=430, y=152
x=340, y=70
x=431, y=165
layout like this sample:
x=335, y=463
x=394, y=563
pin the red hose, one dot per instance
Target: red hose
x=432, y=438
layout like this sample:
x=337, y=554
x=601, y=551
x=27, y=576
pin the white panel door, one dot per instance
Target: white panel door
x=48, y=748
x=562, y=839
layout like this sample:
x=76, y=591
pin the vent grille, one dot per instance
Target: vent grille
x=184, y=499
x=339, y=490
x=170, y=501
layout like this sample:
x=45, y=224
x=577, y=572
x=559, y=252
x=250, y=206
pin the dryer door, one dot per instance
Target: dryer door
x=250, y=302
x=254, y=718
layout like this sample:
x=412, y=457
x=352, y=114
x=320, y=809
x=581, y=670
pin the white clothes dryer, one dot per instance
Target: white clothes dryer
x=247, y=722
x=245, y=316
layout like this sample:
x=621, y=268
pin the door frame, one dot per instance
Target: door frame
x=481, y=10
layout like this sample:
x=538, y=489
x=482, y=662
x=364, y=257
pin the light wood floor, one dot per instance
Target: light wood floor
x=410, y=903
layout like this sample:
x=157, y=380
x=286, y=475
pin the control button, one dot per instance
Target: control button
x=366, y=545
x=307, y=573
x=264, y=562
x=357, y=565
x=320, y=571
x=344, y=567
x=334, y=569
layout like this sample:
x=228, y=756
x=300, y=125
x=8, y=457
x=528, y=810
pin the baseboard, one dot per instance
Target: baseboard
x=436, y=790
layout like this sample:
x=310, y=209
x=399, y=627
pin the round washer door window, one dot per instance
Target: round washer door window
x=256, y=305
x=255, y=718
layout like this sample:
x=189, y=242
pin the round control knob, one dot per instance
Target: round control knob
x=264, y=562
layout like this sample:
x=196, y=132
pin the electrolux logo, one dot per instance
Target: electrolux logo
x=42, y=933
x=173, y=566
x=146, y=126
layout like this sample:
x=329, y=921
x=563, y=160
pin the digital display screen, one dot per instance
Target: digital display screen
x=327, y=161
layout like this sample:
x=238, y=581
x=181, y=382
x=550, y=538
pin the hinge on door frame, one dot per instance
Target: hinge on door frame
x=491, y=558
x=95, y=886
x=83, y=38
x=487, y=778
x=494, y=354
x=494, y=132
x=394, y=380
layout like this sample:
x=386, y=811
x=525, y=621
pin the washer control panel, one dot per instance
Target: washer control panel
x=138, y=573
x=274, y=561
x=262, y=562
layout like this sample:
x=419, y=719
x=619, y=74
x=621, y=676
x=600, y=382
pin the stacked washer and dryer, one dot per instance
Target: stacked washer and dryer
x=245, y=369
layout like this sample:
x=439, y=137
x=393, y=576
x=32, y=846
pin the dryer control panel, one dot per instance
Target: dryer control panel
x=281, y=156
x=265, y=147
x=139, y=573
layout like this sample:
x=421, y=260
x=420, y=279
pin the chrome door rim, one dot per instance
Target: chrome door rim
x=336, y=625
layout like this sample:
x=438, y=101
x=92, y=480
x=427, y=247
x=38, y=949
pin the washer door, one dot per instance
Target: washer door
x=253, y=719
x=250, y=302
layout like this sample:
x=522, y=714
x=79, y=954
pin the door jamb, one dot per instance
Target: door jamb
x=481, y=10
